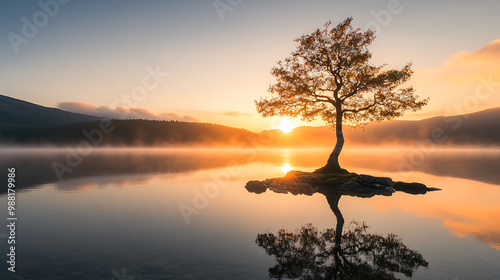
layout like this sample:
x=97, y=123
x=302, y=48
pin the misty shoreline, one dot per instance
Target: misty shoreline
x=392, y=147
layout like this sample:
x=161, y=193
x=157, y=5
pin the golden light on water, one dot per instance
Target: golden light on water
x=286, y=167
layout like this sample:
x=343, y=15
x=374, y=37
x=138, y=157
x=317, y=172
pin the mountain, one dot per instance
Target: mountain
x=26, y=123
x=135, y=133
x=30, y=124
x=15, y=113
x=479, y=128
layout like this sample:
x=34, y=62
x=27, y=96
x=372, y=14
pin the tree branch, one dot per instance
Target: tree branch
x=363, y=109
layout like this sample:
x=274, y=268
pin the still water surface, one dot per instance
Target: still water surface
x=185, y=214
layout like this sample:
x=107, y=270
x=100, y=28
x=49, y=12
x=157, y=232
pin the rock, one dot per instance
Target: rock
x=296, y=173
x=412, y=188
x=257, y=187
x=366, y=179
x=379, y=185
x=353, y=186
x=386, y=181
x=277, y=188
x=320, y=179
x=341, y=178
x=300, y=188
x=383, y=190
x=295, y=187
x=298, y=182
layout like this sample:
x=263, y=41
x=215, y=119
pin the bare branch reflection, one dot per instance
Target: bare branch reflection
x=308, y=253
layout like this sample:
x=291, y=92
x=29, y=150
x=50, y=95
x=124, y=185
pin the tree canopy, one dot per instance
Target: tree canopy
x=329, y=76
x=330, y=73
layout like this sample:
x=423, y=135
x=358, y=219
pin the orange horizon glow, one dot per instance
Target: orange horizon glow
x=286, y=125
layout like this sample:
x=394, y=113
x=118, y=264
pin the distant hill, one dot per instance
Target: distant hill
x=26, y=123
x=479, y=128
x=30, y=124
x=19, y=113
x=135, y=133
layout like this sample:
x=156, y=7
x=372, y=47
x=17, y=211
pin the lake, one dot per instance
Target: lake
x=185, y=214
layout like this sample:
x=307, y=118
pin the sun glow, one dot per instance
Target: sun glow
x=286, y=125
x=286, y=167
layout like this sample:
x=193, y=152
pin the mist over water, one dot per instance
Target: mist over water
x=41, y=163
x=120, y=208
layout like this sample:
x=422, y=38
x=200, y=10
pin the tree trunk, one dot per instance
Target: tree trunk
x=333, y=201
x=332, y=165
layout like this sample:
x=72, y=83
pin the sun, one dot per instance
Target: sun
x=286, y=125
x=286, y=167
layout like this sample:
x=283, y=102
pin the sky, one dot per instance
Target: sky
x=209, y=60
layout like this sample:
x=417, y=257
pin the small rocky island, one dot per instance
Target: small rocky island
x=346, y=183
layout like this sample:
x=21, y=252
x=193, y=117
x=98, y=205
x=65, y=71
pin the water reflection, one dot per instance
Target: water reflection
x=310, y=254
x=66, y=234
x=356, y=253
x=35, y=166
x=330, y=254
x=466, y=208
x=474, y=164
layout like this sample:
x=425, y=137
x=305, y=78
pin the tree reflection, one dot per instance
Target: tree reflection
x=308, y=253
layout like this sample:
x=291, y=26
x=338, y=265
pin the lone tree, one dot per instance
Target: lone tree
x=329, y=76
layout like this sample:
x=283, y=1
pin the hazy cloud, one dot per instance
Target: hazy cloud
x=466, y=83
x=120, y=112
x=464, y=68
x=236, y=114
x=490, y=50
